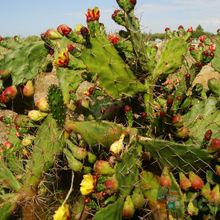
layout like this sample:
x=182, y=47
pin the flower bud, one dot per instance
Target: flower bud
x=64, y=29
x=92, y=14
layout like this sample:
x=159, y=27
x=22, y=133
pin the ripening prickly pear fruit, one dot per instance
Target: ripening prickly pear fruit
x=185, y=183
x=215, y=195
x=217, y=169
x=128, y=208
x=8, y=94
x=177, y=120
x=111, y=185
x=28, y=89
x=52, y=34
x=215, y=144
x=42, y=104
x=64, y=29
x=165, y=179
x=103, y=167
x=4, y=74
x=214, y=86
x=36, y=115
x=196, y=181
x=206, y=190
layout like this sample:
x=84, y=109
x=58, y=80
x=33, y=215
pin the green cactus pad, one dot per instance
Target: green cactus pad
x=216, y=60
x=56, y=104
x=112, y=73
x=182, y=157
x=24, y=62
x=111, y=212
x=171, y=58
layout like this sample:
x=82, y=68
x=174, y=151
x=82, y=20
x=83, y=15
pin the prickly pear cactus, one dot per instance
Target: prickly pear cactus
x=56, y=103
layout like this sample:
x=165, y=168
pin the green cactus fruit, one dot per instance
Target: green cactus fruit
x=126, y=5
x=91, y=158
x=138, y=198
x=36, y=115
x=73, y=163
x=103, y=168
x=119, y=17
x=78, y=152
x=214, y=86
x=128, y=208
x=206, y=190
x=56, y=104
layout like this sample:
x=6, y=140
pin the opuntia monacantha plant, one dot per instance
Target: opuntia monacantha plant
x=109, y=126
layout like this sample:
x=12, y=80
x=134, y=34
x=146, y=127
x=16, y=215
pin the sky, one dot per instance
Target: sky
x=33, y=17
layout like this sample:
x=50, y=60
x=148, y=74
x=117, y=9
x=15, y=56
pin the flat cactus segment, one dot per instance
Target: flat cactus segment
x=216, y=60
x=111, y=212
x=69, y=81
x=171, y=58
x=47, y=145
x=113, y=74
x=6, y=211
x=24, y=62
x=94, y=133
x=203, y=116
x=127, y=173
x=56, y=104
x=8, y=178
x=178, y=156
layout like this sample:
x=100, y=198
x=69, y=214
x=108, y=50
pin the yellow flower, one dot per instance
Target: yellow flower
x=118, y=145
x=62, y=213
x=87, y=184
x=63, y=59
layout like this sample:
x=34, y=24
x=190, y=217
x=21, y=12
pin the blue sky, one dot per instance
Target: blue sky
x=28, y=17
